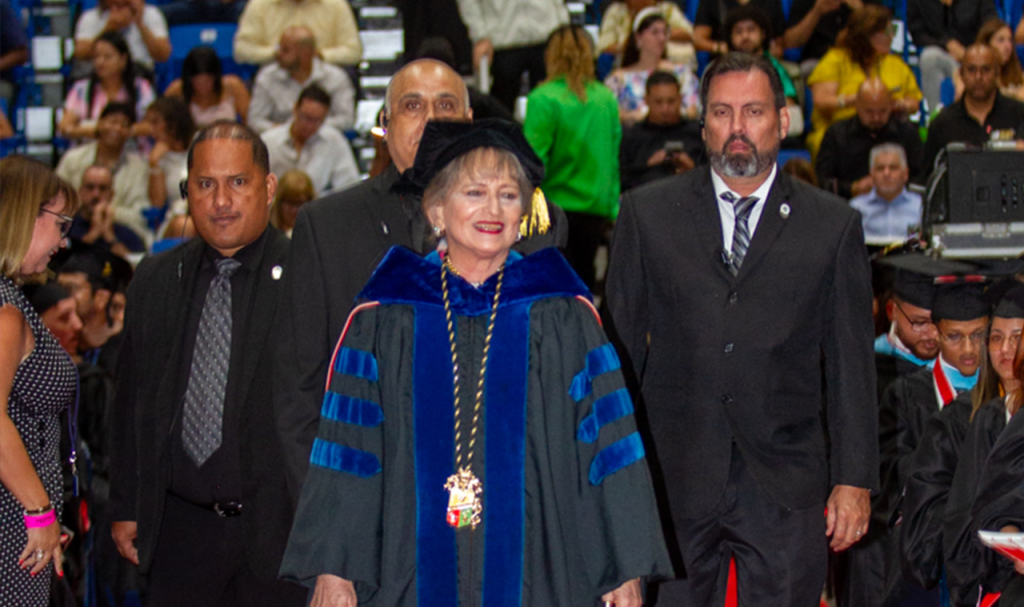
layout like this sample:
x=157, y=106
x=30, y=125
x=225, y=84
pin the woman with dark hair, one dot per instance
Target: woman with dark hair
x=37, y=382
x=567, y=113
x=997, y=34
x=113, y=78
x=171, y=125
x=861, y=52
x=644, y=53
x=210, y=95
x=617, y=25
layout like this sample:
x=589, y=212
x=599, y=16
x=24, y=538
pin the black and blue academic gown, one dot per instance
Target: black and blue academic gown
x=970, y=566
x=568, y=507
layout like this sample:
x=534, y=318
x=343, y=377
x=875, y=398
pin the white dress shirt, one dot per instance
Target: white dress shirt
x=728, y=213
x=326, y=157
x=275, y=92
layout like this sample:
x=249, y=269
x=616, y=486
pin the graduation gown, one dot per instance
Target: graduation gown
x=969, y=564
x=931, y=469
x=568, y=507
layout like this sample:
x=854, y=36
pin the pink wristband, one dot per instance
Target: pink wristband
x=33, y=521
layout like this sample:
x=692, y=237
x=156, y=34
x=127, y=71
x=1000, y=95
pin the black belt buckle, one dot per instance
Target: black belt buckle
x=226, y=509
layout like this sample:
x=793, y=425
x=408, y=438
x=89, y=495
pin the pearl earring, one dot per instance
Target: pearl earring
x=437, y=231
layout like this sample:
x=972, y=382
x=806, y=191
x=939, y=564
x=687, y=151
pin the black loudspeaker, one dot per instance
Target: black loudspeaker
x=984, y=186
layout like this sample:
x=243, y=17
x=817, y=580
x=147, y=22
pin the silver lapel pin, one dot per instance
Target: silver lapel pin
x=384, y=228
x=275, y=272
x=784, y=210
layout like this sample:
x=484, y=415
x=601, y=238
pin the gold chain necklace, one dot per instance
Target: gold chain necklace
x=464, y=488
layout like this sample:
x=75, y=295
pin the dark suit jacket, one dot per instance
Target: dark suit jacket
x=723, y=359
x=337, y=243
x=150, y=394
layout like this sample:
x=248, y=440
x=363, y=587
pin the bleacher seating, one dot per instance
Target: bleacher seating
x=219, y=36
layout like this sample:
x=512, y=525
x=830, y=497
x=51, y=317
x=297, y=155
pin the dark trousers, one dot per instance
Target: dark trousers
x=586, y=233
x=200, y=561
x=781, y=555
x=508, y=68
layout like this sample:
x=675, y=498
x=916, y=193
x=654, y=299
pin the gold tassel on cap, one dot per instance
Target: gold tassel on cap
x=536, y=219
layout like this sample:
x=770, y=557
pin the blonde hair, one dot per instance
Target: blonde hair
x=479, y=162
x=570, y=55
x=27, y=185
x=294, y=187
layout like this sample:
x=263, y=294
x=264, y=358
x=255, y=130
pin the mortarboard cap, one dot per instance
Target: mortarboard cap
x=1007, y=297
x=960, y=300
x=445, y=140
x=917, y=273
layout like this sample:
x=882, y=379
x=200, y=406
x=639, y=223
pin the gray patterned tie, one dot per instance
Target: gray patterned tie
x=208, y=376
x=741, y=233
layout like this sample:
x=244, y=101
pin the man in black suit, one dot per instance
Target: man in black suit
x=198, y=484
x=339, y=240
x=743, y=301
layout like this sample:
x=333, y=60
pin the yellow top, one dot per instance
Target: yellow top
x=836, y=66
x=331, y=21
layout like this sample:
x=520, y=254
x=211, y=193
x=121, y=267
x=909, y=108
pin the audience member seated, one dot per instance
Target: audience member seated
x=569, y=113
x=512, y=35
x=13, y=48
x=749, y=29
x=112, y=79
x=983, y=114
x=143, y=27
x=843, y=163
x=662, y=144
x=172, y=127
x=177, y=230
x=296, y=66
x=185, y=12
x=294, y=189
x=89, y=277
x=941, y=30
x=94, y=224
x=56, y=308
x=210, y=94
x=305, y=143
x=802, y=169
x=888, y=211
x=814, y=27
x=618, y=20
x=861, y=52
x=130, y=172
x=998, y=35
x=645, y=52
x=331, y=21
x=6, y=130
x=709, y=33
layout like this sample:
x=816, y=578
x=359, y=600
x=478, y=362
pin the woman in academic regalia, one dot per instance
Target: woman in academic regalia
x=476, y=444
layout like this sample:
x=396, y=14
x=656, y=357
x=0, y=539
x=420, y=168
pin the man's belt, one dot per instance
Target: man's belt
x=222, y=509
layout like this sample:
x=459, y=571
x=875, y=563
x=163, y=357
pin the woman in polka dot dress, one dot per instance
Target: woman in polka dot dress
x=37, y=381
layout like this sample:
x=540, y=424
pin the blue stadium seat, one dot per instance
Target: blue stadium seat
x=1011, y=11
x=947, y=92
x=691, y=10
x=786, y=155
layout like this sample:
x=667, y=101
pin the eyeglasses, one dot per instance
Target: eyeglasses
x=917, y=326
x=958, y=339
x=65, y=223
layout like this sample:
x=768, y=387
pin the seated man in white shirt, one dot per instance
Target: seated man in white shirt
x=278, y=84
x=888, y=210
x=143, y=27
x=305, y=143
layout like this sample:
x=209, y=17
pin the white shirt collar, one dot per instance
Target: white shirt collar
x=761, y=192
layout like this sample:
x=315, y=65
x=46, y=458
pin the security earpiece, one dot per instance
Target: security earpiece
x=183, y=188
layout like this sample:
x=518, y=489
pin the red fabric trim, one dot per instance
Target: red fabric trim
x=337, y=347
x=942, y=384
x=593, y=310
x=989, y=599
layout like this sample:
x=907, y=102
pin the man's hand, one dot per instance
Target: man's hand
x=626, y=595
x=847, y=515
x=483, y=48
x=862, y=186
x=682, y=162
x=124, y=534
x=138, y=8
x=955, y=49
x=119, y=18
x=657, y=158
x=333, y=591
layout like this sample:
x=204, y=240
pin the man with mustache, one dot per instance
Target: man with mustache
x=736, y=290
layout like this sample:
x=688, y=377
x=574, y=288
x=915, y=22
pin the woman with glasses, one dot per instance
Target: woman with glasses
x=37, y=381
x=861, y=52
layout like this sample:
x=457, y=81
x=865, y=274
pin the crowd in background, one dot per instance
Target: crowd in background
x=604, y=116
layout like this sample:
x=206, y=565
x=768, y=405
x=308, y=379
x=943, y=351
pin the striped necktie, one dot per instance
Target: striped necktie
x=741, y=232
x=208, y=376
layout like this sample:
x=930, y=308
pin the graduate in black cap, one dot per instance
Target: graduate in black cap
x=476, y=444
x=972, y=569
x=960, y=314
